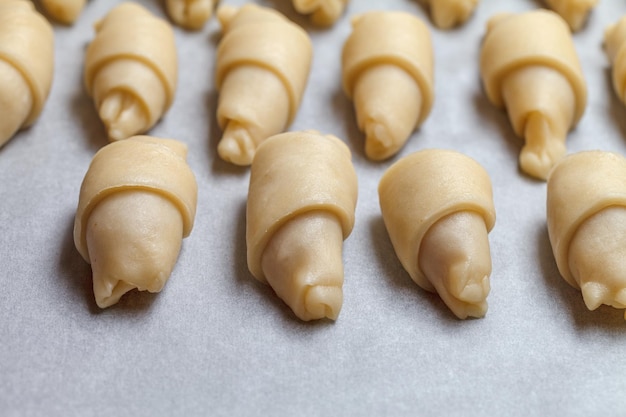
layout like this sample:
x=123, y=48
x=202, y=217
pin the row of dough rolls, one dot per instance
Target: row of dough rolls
x=264, y=60
x=189, y=14
x=193, y=14
x=437, y=206
x=449, y=13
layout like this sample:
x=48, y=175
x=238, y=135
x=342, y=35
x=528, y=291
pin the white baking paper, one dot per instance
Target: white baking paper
x=215, y=342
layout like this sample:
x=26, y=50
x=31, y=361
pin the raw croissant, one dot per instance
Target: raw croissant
x=263, y=63
x=26, y=65
x=586, y=216
x=131, y=70
x=64, y=11
x=529, y=66
x=388, y=72
x=323, y=12
x=137, y=202
x=574, y=12
x=449, y=13
x=301, y=202
x=614, y=43
x=438, y=208
x=190, y=14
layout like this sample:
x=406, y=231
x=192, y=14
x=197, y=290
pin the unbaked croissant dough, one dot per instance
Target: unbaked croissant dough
x=574, y=12
x=190, y=14
x=388, y=72
x=615, y=45
x=449, y=13
x=26, y=65
x=263, y=63
x=323, y=12
x=586, y=216
x=301, y=202
x=64, y=11
x=438, y=208
x=131, y=70
x=137, y=202
x=529, y=66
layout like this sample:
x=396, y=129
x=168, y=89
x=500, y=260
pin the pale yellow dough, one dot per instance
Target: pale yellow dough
x=438, y=209
x=574, y=12
x=26, y=65
x=137, y=202
x=322, y=12
x=190, y=14
x=64, y=11
x=615, y=46
x=301, y=202
x=131, y=70
x=449, y=13
x=529, y=66
x=263, y=63
x=388, y=73
x=586, y=214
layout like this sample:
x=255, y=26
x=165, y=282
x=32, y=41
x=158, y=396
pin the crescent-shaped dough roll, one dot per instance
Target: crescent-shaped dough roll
x=190, y=14
x=449, y=13
x=529, y=66
x=438, y=209
x=322, y=12
x=26, y=65
x=388, y=73
x=131, y=70
x=586, y=215
x=263, y=63
x=574, y=12
x=64, y=11
x=301, y=202
x=137, y=202
x=615, y=46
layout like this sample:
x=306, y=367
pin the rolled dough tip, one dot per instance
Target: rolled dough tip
x=323, y=302
x=377, y=140
x=594, y=294
x=236, y=145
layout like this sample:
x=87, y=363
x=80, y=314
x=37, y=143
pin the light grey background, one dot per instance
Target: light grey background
x=217, y=342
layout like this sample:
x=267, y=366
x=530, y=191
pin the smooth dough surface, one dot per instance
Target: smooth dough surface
x=322, y=12
x=530, y=67
x=64, y=11
x=190, y=14
x=263, y=63
x=450, y=13
x=438, y=208
x=131, y=70
x=301, y=202
x=388, y=71
x=26, y=65
x=137, y=202
x=574, y=12
x=586, y=216
x=615, y=46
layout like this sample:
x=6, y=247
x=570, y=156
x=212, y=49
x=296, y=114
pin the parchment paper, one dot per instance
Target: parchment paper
x=217, y=342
